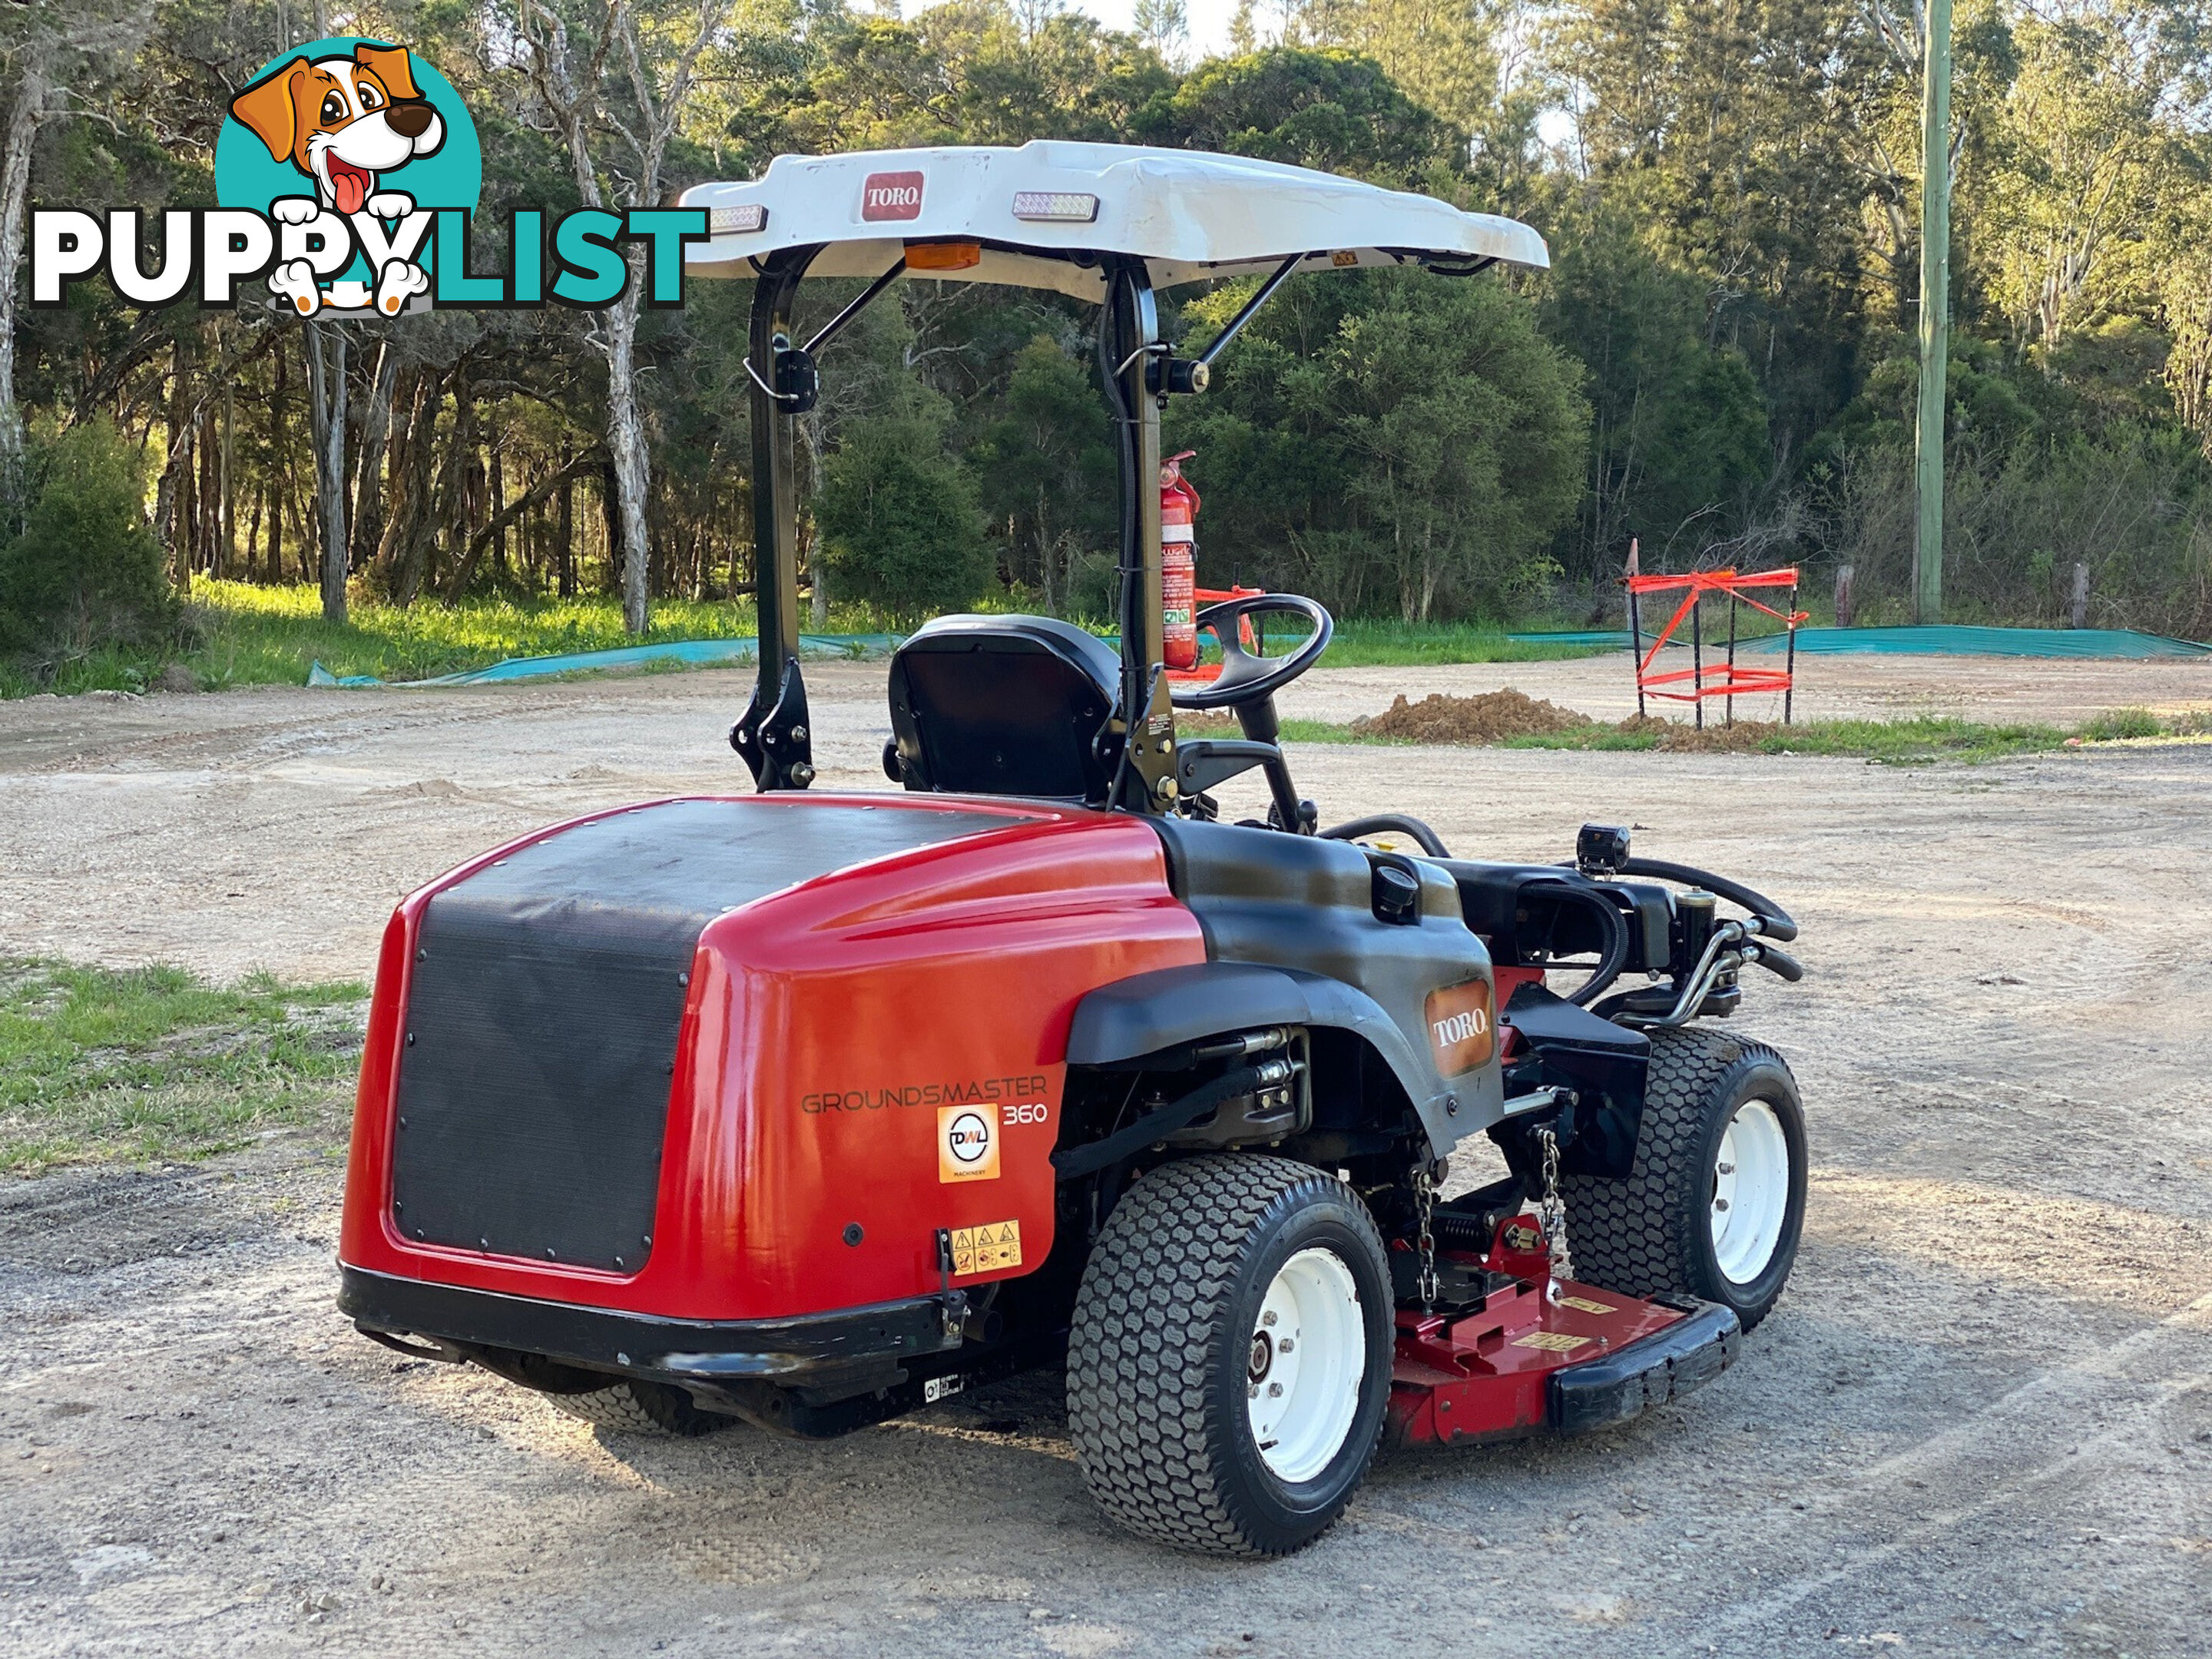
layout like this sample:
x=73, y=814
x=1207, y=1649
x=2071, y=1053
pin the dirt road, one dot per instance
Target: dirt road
x=1979, y=1422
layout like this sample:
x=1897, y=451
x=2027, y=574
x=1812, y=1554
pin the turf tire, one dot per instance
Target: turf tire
x=1162, y=1331
x=635, y=1407
x=1651, y=1234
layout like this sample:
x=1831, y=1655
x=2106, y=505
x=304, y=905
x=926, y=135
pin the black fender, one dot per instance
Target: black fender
x=1147, y=1014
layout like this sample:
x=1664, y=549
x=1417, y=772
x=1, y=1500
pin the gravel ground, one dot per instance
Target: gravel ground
x=1980, y=1421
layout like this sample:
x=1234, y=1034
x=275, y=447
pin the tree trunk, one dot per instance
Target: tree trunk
x=564, y=534
x=628, y=462
x=497, y=487
x=167, y=516
x=226, y=552
x=368, y=493
x=326, y=413
x=611, y=526
x=453, y=488
x=23, y=121
x=273, y=564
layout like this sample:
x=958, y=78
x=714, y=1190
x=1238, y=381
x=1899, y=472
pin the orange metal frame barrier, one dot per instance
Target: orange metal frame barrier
x=1727, y=681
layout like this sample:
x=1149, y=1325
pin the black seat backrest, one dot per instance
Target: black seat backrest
x=1003, y=706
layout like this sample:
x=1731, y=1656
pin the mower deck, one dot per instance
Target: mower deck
x=1538, y=1355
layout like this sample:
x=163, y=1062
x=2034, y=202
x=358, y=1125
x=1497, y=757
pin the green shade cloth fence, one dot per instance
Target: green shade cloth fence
x=737, y=652
x=1949, y=641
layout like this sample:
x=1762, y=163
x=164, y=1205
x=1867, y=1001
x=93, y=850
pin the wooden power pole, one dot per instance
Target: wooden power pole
x=1935, y=309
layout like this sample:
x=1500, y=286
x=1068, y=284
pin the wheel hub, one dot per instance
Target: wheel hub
x=1751, y=1192
x=1307, y=1357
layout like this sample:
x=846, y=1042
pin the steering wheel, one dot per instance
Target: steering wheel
x=1246, y=677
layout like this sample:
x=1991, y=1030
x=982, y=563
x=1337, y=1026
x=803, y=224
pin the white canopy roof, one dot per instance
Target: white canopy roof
x=1189, y=213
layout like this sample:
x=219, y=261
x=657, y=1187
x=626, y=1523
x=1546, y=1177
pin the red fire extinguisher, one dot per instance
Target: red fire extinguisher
x=1178, y=563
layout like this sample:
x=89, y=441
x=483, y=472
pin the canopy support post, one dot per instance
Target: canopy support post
x=774, y=734
x=1128, y=339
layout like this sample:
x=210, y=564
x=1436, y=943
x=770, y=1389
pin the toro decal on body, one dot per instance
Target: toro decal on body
x=1461, y=1033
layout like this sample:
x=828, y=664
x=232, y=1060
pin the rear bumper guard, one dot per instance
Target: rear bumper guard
x=1644, y=1374
x=812, y=1348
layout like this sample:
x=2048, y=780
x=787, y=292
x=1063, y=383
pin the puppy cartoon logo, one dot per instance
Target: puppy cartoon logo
x=341, y=142
x=342, y=121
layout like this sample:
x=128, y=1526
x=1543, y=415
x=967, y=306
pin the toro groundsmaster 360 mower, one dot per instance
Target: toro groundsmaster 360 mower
x=808, y=1108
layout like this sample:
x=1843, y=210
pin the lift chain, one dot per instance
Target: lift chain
x=1424, y=1204
x=1549, y=1211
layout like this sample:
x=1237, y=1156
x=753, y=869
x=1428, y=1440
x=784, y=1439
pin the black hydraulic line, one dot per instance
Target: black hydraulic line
x=1616, y=949
x=1251, y=306
x=1774, y=920
x=1776, y=960
x=829, y=331
x=1092, y=1155
x=1430, y=842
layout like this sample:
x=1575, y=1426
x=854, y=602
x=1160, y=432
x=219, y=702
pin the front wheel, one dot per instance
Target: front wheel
x=1229, y=1364
x=1714, y=1204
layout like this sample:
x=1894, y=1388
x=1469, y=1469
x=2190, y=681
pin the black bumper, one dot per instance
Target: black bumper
x=1630, y=1381
x=810, y=1349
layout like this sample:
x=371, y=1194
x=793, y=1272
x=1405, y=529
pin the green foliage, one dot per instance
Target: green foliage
x=1678, y=432
x=898, y=521
x=155, y=1063
x=1388, y=437
x=1336, y=111
x=87, y=571
x=1046, y=473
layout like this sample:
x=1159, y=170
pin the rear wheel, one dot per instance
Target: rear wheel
x=1715, y=1202
x=1229, y=1364
x=634, y=1407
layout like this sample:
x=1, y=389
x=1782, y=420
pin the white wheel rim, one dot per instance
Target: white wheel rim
x=1751, y=1192
x=1306, y=1357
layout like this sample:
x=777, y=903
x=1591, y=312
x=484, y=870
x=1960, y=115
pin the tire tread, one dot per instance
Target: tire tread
x=1630, y=1235
x=1160, y=1278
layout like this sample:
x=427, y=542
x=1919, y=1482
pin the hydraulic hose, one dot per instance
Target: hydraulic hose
x=1615, y=925
x=1774, y=922
x=1384, y=823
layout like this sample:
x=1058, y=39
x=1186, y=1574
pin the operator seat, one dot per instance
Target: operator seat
x=984, y=705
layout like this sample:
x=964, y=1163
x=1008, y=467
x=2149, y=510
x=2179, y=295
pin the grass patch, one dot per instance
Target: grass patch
x=243, y=634
x=154, y=1063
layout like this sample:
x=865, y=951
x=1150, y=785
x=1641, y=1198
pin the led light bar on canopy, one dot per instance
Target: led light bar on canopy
x=1066, y=207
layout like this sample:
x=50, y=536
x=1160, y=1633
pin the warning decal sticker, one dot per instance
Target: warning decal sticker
x=1550, y=1341
x=1586, y=1305
x=987, y=1249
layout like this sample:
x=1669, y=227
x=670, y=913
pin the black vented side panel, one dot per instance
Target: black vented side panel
x=545, y=1006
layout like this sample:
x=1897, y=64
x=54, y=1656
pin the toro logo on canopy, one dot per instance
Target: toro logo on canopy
x=891, y=196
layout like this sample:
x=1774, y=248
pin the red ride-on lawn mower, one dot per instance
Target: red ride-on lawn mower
x=806, y=1109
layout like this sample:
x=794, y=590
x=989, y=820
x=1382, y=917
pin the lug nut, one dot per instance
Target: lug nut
x=1720, y=1204
x=1274, y=1390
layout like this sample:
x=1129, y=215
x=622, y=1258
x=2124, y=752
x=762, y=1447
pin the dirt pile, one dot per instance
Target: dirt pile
x=1485, y=718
